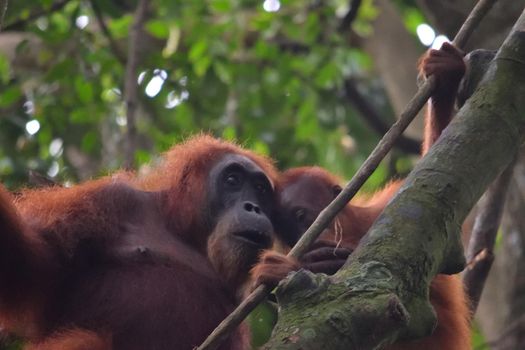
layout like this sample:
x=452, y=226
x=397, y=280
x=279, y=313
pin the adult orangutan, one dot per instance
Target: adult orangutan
x=306, y=191
x=125, y=262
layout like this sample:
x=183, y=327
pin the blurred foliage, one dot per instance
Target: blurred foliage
x=269, y=79
x=478, y=340
x=272, y=80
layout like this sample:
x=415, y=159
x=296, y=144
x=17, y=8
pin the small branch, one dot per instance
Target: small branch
x=374, y=120
x=130, y=83
x=480, y=253
x=112, y=43
x=21, y=23
x=367, y=168
x=349, y=17
x=3, y=11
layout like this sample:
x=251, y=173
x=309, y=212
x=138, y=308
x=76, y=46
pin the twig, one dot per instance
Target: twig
x=370, y=116
x=480, y=253
x=112, y=43
x=130, y=83
x=36, y=14
x=3, y=10
x=231, y=322
x=349, y=17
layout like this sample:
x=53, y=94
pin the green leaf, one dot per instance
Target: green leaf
x=263, y=50
x=367, y=13
x=261, y=148
x=223, y=71
x=221, y=5
x=377, y=179
x=201, y=66
x=9, y=96
x=5, y=69
x=229, y=133
x=89, y=142
x=326, y=77
x=142, y=156
x=306, y=121
x=119, y=27
x=478, y=340
x=80, y=116
x=46, y=3
x=368, y=10
x=184, y=117
x=44, y=136
x=6, y=166
x=404, y=165
x=158, y=28
x=198, y=50
x=84, y=90
x=60, y=22
x=412, y=19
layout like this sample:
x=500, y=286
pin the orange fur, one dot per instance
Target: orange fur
x=75, y=273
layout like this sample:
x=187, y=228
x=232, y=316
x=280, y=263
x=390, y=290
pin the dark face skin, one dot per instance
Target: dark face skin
x=301, y=202
x=241, y=203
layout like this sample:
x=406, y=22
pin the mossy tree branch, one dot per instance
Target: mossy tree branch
x=381, y=294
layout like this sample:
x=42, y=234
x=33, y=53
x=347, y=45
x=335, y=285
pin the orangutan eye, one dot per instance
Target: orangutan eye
x=233, y=179
x=261, y=188
x=300, y=214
